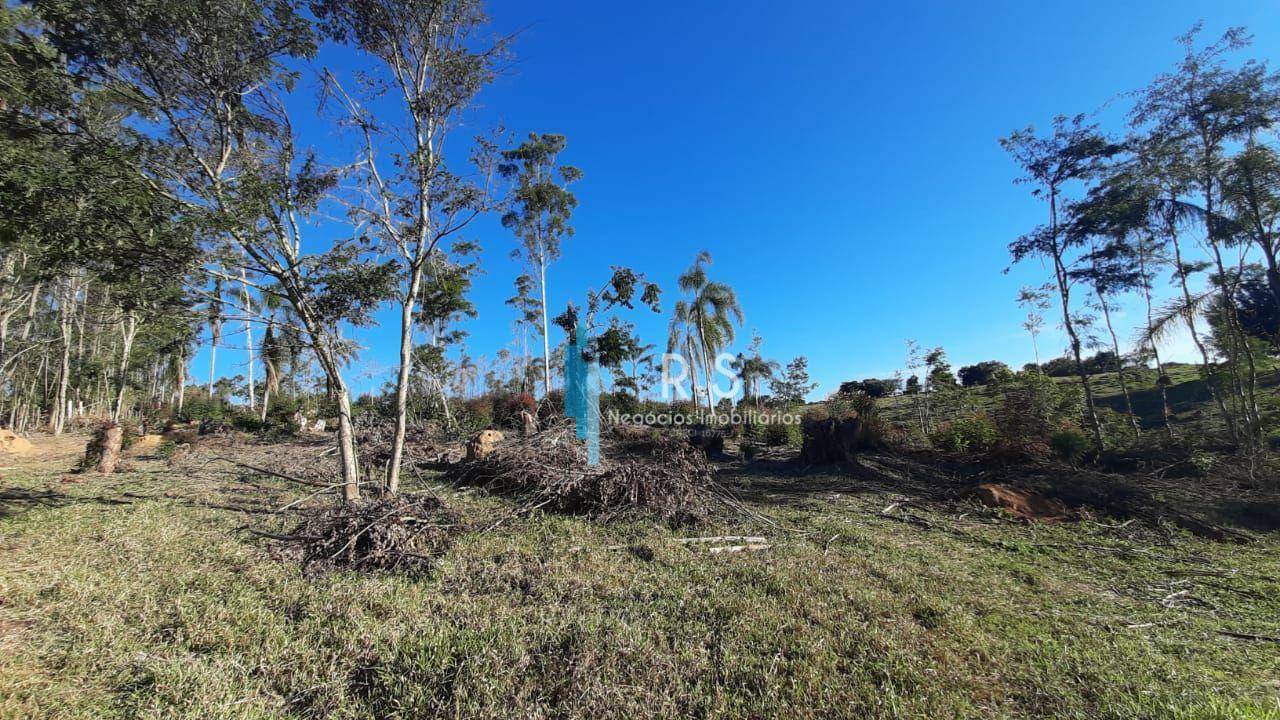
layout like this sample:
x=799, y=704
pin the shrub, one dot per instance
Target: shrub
x=202, y=407
x=506, y=409
x=1069, y=444
x=476, y=413
x=976, y=433
x=621, y=402
x=778, y=434
x=1033, y=406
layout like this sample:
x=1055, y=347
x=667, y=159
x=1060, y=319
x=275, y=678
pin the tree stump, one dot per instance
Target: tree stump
x=103, y=451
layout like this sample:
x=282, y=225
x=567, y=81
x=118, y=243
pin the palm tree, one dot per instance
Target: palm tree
x=465, y=373
x=703, y=325
x=754, y=369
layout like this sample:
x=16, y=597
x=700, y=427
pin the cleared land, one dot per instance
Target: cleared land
x=884, y=592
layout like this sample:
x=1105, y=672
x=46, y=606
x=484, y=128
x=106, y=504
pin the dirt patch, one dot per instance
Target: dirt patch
x=145, y=445
x=10, y=630
x=1021, y=503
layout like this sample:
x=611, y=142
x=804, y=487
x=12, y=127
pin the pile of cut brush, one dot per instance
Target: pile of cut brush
x=402, y=533
x=425, y=443
x=657, y=475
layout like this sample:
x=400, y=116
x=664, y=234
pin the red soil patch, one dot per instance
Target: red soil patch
x=1022, y=503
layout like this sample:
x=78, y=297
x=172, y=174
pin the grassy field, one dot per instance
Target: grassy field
x=135, y=596
x=1189, y=399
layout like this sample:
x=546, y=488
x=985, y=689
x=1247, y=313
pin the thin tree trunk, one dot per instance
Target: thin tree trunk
x=1064, y=294
x=1206, y=365
x=128, y=331
x=402, y=379
x=546, y=336
x=1161, y=378
x=1115, y=348
x=248, y=332
x=64, y=369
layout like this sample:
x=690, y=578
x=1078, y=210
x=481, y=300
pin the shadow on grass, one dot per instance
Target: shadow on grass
x=941, y=481
x=15, y=501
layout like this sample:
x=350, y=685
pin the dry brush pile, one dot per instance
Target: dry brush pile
x=655, y=475
x=404, y=533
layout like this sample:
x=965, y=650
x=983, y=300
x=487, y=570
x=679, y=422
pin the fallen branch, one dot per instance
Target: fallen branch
x=751, y=539
x=1248, y=636
x=739, y=548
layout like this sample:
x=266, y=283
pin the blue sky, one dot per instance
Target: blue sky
x=838, y=159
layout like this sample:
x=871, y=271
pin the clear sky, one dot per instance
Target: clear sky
x=838, y=159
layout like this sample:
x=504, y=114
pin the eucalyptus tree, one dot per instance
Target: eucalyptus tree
x=528, y=315
x=794, y=384
x=542, y=206
x=1073, y=152
x=432, y=58
x=209, y=79
x=442, y=303
x=703, y=323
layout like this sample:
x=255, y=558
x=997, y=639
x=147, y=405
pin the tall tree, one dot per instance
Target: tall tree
x=542, y=207
x=1203, y=106
x=432, y=58
x=1075, y=151
x=210, y=78
x=703, y=323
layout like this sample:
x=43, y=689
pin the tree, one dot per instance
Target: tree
x=703, y=323
x=794, y=384
x=1251, y=188
x=1074, y=151
x=1107, y=221
x=432, y=62
x=753, y=369
x=1036, y=300
x=984, y=373
x=1202, y=107
x=211, y=78
x=871, y=387
x=938, y=375
x=542, y=207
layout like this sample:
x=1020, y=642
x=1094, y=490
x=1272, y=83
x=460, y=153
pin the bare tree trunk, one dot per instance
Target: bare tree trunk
x=1161, y=378
x=546, y=329
x=1115, y=348
x=402, y=379
x=128, y=331
x=213, y=362
x=248, y=332
x=182, y=379
x=64, y=370
x=1064, y=294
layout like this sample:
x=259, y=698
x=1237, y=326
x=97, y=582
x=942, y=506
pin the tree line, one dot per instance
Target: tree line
x=159, y=196
x=1188, y=194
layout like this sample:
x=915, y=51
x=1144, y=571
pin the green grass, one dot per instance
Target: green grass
x=135, y=598
x=1188, y=394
